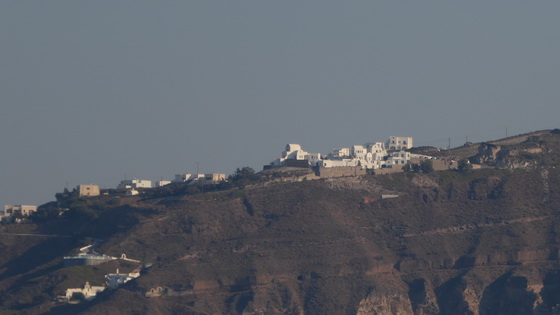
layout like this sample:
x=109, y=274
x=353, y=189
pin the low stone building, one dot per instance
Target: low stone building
x=88, y=190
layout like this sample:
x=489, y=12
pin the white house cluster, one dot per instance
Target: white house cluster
x=374, y=155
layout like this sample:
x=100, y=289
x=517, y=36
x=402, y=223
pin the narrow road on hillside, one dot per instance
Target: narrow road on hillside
x=38, y=235
x=473, y=226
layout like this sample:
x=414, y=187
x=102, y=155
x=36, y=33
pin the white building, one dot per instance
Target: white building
x=398, y=158
x=23, y=210
x=359, y=152
x=341, y=153
x=399, y=143
x=135, y=183
x=131, y=192
x=294, y=152
x=116, y=279
x=208, y=178
x=370, y=155
x=161, y=183
x=214, y=177
x=88, y=291
x=181, y=178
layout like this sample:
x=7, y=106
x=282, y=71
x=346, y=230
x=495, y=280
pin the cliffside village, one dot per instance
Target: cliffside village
x=382, y=157
x=379, y=157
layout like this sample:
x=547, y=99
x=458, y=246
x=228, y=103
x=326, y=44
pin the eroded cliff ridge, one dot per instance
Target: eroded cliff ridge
x=474, y=242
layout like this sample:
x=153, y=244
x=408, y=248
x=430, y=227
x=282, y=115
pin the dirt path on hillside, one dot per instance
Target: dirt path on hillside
x=474, y=226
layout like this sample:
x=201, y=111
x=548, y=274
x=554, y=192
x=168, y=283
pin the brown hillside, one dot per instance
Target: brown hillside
x=478, y=242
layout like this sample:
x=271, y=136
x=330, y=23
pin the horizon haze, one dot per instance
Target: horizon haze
x=95, y=92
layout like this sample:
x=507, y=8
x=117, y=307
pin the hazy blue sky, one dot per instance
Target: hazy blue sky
x=91, y=91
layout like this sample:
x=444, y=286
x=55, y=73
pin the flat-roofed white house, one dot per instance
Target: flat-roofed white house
x=116, y=279
x=214, y=177
x=23, y=210
x=399, y=143
x=398, y=158
x=181, y=178
x=161, y=183
x=135, y=183
x=208, y=178
x=340, y=153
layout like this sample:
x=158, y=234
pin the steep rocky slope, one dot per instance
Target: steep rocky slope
x=479, y=242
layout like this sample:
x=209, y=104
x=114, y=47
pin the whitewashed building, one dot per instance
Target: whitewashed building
x=88, y=291
x=161, y=183
x=398, y=158
x=131, y=192
x=399, y=143
x=23, y=210
x=208, y=178
x=294, y=152
x=181, y=178
x=135, y=183
x=341, y=153
x=116, y=279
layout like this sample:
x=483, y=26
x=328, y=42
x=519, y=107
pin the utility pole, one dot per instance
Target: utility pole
x=449, y=144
